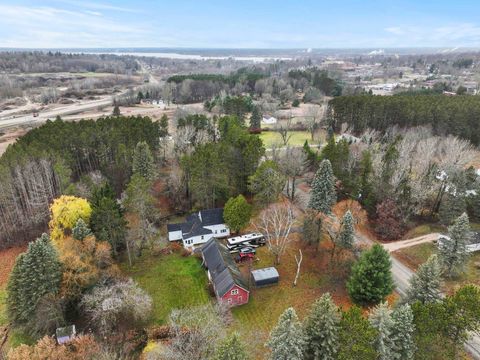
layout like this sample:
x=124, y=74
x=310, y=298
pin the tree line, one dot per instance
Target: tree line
x=47, y=161
x=455, y=115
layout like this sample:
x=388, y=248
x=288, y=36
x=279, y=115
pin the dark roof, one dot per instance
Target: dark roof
x=174, y=227
x=194, y=224
x=223, y=270
x=212, y=216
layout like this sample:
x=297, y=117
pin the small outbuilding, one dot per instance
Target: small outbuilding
x=65, y=334
x=265, y=277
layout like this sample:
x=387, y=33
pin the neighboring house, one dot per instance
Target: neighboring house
x=223, y=273
x=65, y=334
x=349, y=138
x=269, y=120
x=199, y=228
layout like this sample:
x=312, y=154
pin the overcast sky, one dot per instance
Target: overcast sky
x=239, y=24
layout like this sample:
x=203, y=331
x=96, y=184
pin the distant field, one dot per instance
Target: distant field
x=172, y=281
x=297, y=138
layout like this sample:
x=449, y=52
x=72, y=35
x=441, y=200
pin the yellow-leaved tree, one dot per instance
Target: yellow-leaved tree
x=84, y=258
x=64, y=214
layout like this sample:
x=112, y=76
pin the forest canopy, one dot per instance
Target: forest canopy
x=455, y=115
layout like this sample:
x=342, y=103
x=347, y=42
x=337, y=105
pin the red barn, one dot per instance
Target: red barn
x=224, y=275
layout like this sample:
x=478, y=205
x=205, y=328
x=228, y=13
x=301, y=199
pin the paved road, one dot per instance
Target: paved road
x=10, y=121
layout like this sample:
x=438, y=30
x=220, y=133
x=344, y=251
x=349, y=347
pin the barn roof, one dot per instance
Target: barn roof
x=224, y=272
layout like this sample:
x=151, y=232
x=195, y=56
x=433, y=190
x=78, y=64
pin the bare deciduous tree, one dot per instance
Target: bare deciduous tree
x=292, y=163
x=298, y=260
x=276, y=223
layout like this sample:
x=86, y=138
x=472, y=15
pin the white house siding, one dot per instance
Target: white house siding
x=175, y=235
x=217, y=230
x=196, y=240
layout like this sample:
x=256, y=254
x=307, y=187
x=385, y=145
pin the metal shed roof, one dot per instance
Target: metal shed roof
x=264, y=274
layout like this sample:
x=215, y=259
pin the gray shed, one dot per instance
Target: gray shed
x=265, y=276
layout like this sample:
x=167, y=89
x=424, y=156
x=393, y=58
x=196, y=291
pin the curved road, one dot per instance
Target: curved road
x=70, y=109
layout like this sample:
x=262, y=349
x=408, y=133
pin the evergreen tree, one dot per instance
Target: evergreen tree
x=35, y=274
x=426, y=282
x=356, y=336
x=402, y=333
x=80, y=231
x=267, y=182
x=142, y=162
x=287, y=338
x=164, y=125
x=231, y=349
x=312, y=228
x=452, y=207
x=116, y=110
x=371, y=279
x=381, y=320
x=323, y=195
x=237, y=212
x=321, y=330
x=346, y=237
x=108, y=223
x=256, y=118
x=452, y=251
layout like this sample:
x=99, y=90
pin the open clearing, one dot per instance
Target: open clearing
x=173, y=281
x=297, y=138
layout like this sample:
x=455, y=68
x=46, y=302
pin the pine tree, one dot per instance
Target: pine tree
x=35, y=274
x=237, y=213
x=323, y=195
x=402, y=333
x=426, y=282
x=287, y=338
x=321, y=330
x=381, y=320
x=346, y=237
x=452, y=251
x=452, y=206
x=142, y=162
x=116, y=110
x=231, y=349
x=371, y=279
x=108, y=223
x=256, y=118
x=80, y=231
x=312, y=228
x=356, y=336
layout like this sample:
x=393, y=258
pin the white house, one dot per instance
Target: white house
x=269, y=120
x=199, y=228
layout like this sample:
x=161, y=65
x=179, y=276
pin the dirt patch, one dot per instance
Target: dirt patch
x=7, y=260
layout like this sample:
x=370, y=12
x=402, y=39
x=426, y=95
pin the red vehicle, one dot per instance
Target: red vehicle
x=242, y=257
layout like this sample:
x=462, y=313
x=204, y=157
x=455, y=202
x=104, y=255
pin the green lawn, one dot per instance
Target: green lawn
x=297, y=139
x=415, y=255
x=172, y=281
x=3, y=306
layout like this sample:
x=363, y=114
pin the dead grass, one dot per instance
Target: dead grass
x=255, y=319
x=7, y=260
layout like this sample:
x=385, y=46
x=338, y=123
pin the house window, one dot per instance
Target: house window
x=234, y=292
x=202, y=237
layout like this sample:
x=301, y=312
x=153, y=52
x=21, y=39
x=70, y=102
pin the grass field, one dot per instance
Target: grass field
x=415, y=255
x=257, y=318
x=172, y=281
x=297, y=139
x=424, y=229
